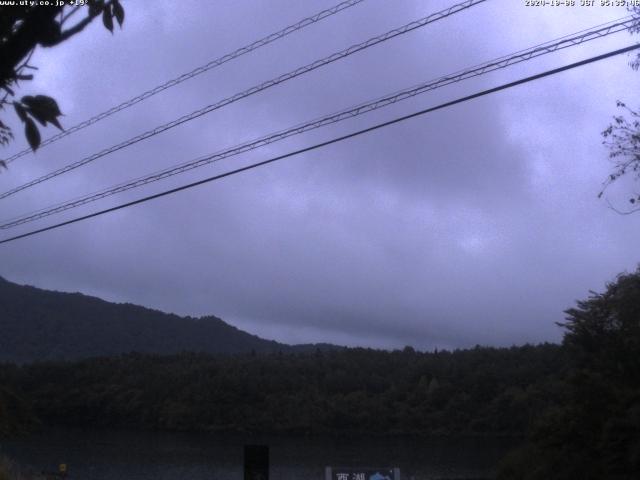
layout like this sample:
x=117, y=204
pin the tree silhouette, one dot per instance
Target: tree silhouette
x=23, y=28
x=622, y=138
x=594, y=433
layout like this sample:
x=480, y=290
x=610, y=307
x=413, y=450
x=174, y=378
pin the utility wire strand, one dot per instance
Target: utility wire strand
x=253, y=90
x=500, y=63
x=330, y=142
x=194, y=73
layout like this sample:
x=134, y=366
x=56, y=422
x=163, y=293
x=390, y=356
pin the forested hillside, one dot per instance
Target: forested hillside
x=594, y=432
x=16, y=416
x=39, y=325
x=478, y=391
x=578, y=403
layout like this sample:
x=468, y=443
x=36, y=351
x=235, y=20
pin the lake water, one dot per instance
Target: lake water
x=118, y=455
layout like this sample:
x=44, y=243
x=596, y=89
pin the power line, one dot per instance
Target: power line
x=500, y=63
x=195, y=72
x=330, y=142
x=253, y=90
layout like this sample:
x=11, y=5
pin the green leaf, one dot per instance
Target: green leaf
x=56, y=123
x=20, y=110
x=42, y=121
x=95, y=7
x=49, y=104
x=43, y=108
x=32, y=134
x=107, y=19
x=118, y=12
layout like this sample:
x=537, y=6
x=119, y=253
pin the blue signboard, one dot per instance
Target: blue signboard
x=349, y=473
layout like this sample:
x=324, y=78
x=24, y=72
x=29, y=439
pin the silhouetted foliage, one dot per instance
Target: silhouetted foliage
x=595, y=432
x=16, y=416
x=22, y=29
x=351, y=391
x=622, y=138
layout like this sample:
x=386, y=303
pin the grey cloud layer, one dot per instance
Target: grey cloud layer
x=477, y=224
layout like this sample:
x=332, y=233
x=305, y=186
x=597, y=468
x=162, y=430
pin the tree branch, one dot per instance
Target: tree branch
x=69, y=15
x=77, y=28
x=620, y=212
x=25, y=39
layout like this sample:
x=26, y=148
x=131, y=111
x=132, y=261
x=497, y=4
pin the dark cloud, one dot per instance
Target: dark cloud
x=475, y=224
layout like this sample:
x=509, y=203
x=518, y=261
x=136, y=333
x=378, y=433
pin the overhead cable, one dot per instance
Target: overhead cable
x=490, y=66
x=328, y=142
x=194, y=73
x=253, y=90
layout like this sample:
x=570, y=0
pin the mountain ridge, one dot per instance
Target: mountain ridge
x=44, y=325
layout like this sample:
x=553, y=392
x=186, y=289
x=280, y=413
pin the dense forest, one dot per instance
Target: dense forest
x=483, y=390
x=577, y=404
x=594, y=433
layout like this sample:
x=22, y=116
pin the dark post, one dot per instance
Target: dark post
x=256, y=462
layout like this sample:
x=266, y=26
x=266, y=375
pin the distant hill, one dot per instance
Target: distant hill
x=37, y=325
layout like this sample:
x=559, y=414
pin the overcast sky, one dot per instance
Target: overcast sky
x=478, y=224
